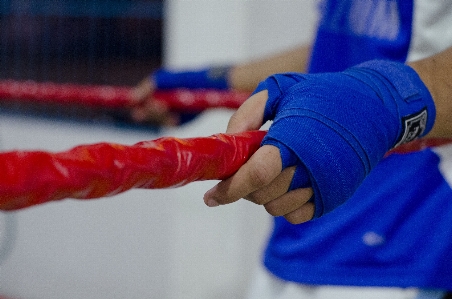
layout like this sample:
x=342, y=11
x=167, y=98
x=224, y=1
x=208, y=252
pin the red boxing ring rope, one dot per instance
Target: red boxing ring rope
x=105, y=96
x=29, y=178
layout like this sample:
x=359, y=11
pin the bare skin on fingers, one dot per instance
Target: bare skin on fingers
x=289, y=202
x=303, y=214
x=255, y=174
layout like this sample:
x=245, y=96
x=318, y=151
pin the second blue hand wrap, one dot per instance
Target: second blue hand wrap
x=211, y=77
x=337, y=126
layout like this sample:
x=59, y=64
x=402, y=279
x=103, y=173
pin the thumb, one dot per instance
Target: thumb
x=250, y=115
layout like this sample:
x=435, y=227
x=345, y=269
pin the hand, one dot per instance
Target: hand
x=334, y=127
x=148, y=109
x=261, y=180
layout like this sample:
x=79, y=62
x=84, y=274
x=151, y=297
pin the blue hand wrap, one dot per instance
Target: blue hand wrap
x=214, y=77
x=337, y=126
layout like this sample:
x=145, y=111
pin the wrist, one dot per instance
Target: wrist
x=207, y=78
x=403, y=93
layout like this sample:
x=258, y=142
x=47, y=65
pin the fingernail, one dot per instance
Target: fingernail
x=209, y=199
x=212, y=203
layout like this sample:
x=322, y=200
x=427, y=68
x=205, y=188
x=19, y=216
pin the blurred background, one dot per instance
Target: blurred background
x=142, y=243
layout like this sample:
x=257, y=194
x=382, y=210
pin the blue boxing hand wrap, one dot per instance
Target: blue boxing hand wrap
x=208, y=78
x=337, y=126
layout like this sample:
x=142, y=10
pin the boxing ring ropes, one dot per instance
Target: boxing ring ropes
x=105, y=169
x=29, y=178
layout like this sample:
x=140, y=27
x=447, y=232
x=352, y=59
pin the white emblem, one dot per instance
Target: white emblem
x=413, y=127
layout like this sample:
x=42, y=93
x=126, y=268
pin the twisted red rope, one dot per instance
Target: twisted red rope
x=29, y=178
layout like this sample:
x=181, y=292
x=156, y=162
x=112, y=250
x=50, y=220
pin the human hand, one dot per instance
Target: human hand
x=333, y=127
x=150, y=110
x=147, y=109
x=262, y=180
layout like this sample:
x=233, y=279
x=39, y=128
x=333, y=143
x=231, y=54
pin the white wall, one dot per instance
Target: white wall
x=201, y=32
x=151, y=243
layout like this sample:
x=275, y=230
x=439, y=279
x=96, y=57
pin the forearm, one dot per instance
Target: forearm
x=248, y=75
x=436, y=73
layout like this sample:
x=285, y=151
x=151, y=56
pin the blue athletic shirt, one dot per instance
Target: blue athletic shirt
x=396, y=230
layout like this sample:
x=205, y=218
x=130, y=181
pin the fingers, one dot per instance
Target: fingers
x=262, y=180
x=146, y=109
x=261, y=169
x=279, y=186
x=143, y=90
x=293, y=205
x=154, y=112
x=250, y=115
x=302, y=214
x=263, y=183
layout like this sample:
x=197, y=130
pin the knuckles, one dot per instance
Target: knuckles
x=274, y=209
x=260, y=175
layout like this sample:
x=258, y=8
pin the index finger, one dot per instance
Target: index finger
x=250, y=115
x=260, y=170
